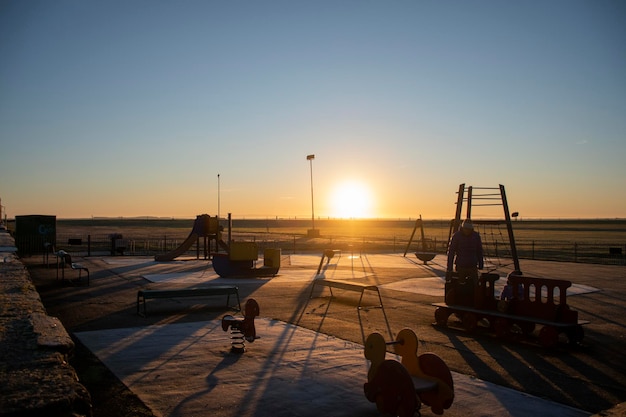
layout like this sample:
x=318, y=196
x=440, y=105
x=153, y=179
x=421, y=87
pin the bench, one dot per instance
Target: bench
x=348, y=286
x=63, y=259
x=228, y=290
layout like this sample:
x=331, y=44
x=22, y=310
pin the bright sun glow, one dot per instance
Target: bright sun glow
x=351, y=200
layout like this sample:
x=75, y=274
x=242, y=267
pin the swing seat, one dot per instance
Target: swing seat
x=425, y=256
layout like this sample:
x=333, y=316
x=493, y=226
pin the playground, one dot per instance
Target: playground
x=309, y=355
x=352, y=333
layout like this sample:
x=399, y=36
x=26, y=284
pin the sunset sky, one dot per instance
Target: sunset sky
x=133, y=108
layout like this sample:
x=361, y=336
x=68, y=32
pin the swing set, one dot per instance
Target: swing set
x=498, y=247
x=422, y=255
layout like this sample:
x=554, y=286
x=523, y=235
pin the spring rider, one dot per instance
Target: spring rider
x=399, y=388
x=242, y=328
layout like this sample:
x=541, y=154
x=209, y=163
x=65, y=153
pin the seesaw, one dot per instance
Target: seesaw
x=400, y=388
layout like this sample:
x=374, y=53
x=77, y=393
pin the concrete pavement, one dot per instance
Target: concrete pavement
x=290, y=368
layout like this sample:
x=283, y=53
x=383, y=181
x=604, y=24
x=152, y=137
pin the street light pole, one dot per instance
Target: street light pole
x=312, y=232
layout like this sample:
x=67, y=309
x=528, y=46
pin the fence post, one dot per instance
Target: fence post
x=575, y=252
x=88, y=245
x=532, y=256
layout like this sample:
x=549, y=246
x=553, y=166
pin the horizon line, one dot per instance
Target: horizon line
x=303, y=218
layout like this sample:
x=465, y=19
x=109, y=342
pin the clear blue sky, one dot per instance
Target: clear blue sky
x=132, y=108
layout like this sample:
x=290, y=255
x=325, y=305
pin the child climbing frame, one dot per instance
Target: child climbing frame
x=489, y=210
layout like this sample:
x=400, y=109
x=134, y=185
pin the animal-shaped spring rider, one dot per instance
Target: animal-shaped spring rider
x=242, y=328
x=399, y=388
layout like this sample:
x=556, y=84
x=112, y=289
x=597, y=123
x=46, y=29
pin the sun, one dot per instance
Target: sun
x=351, y=199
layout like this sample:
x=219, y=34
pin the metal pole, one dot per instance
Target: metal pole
x=456, y=224
x=230, y=228
x=310, y=159
x=218, y=197
x=509, y=228
x=469, y=202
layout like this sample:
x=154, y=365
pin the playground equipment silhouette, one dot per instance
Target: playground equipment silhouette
x=534, y=301
x=400, y=388
x=242, y=328
x=238, y=258
x=422, y=255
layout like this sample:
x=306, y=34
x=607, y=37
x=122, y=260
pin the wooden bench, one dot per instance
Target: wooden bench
x=64, y=259
x=348, y=286
x=228, y=290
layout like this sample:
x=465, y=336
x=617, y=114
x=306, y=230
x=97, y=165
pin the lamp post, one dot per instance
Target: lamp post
x=312, y=232
x=218, y=197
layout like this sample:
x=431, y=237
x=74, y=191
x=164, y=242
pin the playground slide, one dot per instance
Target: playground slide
x=184, y=247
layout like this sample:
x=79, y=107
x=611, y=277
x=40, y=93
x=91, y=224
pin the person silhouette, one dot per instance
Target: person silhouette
x=465, y=252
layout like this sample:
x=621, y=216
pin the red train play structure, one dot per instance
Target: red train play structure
x=533, y=302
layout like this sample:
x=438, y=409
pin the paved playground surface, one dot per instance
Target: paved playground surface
x=180, y=368
x=187, y=369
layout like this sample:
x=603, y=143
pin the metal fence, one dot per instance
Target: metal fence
x=148, y=245
x=594, y=253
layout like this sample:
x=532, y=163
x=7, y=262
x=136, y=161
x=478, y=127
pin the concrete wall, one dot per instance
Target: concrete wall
x=35, y=377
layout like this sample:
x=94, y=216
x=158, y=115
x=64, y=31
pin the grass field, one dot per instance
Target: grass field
x=583, y=231
x=594, y=241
